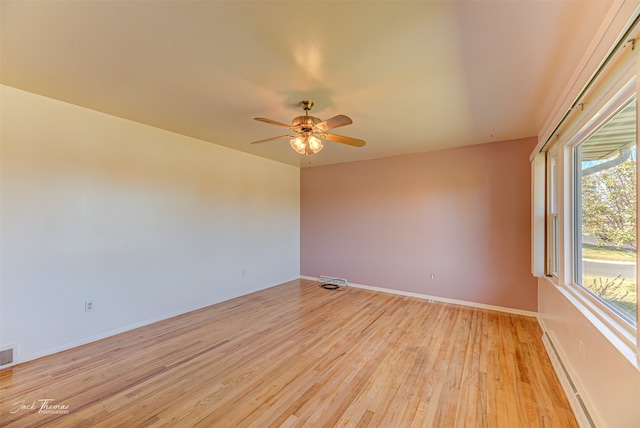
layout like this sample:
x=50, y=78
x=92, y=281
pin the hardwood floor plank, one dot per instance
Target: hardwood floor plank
x=299, y=355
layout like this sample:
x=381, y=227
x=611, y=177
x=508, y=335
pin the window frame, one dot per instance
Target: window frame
x=584, y=100
x=622, y=333
x=552, y=223
x=577, y=277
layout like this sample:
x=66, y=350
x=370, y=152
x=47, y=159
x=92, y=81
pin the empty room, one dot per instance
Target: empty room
x=319, y=213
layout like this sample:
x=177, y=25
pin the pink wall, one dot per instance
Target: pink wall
x=462, y=214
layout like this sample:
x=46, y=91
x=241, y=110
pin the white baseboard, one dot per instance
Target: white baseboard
x=437, y=299
x=18, y=359
x=83, y=341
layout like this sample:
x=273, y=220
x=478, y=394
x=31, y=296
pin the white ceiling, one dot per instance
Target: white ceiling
x=413, y=75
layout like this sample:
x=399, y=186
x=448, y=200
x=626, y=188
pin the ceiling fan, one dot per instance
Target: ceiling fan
x=310, y=130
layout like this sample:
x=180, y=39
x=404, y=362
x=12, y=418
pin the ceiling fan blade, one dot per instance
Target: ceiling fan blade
x=344, y=140
x=272, y=122
x=335, y=122
x=273, y=138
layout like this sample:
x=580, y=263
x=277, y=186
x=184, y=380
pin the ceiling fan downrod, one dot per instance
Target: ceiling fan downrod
x=306, y=105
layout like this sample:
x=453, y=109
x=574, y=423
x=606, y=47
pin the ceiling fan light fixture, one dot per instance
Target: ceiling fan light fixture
x=298, y=145
x=307, y=145
x=314, y=144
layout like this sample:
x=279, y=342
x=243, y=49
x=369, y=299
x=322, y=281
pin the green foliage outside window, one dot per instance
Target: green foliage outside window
x=609, y=206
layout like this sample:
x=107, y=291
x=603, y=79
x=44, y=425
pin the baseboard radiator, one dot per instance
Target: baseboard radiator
x=573, y=395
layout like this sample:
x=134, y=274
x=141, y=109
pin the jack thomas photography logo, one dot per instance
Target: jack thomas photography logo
x=44, y=406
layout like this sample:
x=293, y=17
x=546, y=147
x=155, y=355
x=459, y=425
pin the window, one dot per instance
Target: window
x=552, y=212
x=584, y=198
x=605, y=247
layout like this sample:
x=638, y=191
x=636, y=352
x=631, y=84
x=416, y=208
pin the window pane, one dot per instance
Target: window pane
x=554, y=260
x=606, y=213
x=552, y=213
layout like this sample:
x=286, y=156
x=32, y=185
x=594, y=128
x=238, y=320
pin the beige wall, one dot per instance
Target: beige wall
x=146, y=223
x=462, y=214
x=608, y=382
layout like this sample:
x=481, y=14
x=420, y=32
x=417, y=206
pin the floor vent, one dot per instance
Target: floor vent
x=332, y=283
x=6, y=356
x=575, y=400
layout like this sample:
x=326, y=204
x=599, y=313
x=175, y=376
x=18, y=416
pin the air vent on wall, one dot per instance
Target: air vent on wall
x=6, y=356
x=332, y=283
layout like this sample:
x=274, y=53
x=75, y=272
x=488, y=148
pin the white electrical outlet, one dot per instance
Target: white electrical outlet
x=581, y=351
x=432, y=276
x=88, y=305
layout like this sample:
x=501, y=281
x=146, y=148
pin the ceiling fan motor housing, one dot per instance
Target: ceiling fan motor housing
x=305, y=123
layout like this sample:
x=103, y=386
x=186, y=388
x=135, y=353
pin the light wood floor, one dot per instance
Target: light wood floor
x=299, y=355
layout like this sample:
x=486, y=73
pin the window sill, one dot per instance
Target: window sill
x=619, y=334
